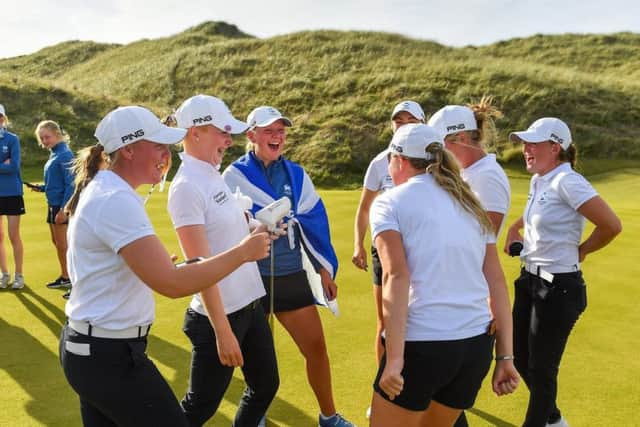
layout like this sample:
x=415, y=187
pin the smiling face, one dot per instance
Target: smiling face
x=401, y=119
x=269, y=141
x=151, y=160
x=208, y=143
x=541, y=157
x=48, y=138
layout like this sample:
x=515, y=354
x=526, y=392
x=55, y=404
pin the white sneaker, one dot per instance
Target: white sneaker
x=560, y=423
x=4, y=280
x=18, y=282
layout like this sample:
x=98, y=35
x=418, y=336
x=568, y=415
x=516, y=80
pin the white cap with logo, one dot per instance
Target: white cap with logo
x=410, y=107
x=126, y=125
x=545, y=129
x=2, y=112
x=412, y=140
x=203, y=110
x=264, y=116
x=453, y=119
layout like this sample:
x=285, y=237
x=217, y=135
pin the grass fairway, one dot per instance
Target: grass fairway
x=599, y=381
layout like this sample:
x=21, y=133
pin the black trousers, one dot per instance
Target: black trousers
x=543, y=316
x=117, y=383
x=209, y=379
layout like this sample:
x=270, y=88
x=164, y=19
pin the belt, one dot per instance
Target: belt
x=85, y=328
x=536, y=270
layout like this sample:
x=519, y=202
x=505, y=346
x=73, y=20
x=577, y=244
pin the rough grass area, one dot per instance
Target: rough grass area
x=599, y=374
x=338, y=86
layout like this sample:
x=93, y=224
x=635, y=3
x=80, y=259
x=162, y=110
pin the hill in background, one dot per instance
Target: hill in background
x=338, y=87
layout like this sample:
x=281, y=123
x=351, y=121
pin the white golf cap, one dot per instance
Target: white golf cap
x=126, y=125
x=2, y=110
x=203, y=110
x=545, y=129
x=410, y=107
x=264, y=116
x=453, y=119
x=412, y=140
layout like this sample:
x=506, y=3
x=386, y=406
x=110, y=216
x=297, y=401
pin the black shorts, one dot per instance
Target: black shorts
x=52, y=211
x=449, y=372
x=292, y=292
x=376, y=267
x=12, y=205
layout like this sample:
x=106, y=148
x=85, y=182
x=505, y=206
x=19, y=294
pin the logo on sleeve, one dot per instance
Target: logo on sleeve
x=221, y=197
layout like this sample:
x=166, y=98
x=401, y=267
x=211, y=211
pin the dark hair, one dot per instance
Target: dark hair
x=569, y=155
x=90, y=160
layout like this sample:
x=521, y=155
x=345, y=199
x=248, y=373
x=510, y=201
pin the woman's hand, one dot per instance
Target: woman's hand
x=391, y=380
x=228, y=348
x=329, y=286
x=513, y=235
x=359, y=258
x=256, y=245
x=505, y=377
x=61, y=217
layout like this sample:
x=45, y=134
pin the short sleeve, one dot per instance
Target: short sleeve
x=574, y=189
x=492, y=193
x=186, y=205
x=121, y=221
x=372, y=177
x=382, y=216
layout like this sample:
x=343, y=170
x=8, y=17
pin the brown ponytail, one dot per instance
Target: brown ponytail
x=446, y=172
x=90, y=160
x=485, y=114
x=569, y=155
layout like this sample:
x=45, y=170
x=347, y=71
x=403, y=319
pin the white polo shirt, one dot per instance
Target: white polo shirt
x=445, y=248
x=490, y=185
x=106, y=293
x=377, y=177
x=552, y=226
x=199, y=196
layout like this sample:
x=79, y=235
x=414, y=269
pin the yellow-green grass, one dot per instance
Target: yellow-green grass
x=598, y=380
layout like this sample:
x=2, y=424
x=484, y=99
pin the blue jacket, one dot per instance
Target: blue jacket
x=10, y=179
x=58, y=177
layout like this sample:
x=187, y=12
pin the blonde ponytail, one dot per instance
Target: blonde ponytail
x=89, y=162
x=446, y=172
x=485, y=114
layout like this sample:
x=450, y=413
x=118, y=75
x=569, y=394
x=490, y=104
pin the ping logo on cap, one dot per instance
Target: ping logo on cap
x=199, y=120
x=556, y=138
x=455, y=127
x=396, y=148
x=137, y=134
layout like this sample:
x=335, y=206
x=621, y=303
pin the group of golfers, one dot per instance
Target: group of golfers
x=435, y=202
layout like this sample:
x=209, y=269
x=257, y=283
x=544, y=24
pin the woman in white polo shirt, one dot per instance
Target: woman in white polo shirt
x=466, y=131
x=225, y=323
x=115, y=262
x=550, y=293
x=377, y=181
x=440, y=265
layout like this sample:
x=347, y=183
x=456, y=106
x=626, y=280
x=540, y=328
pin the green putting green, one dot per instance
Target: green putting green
x=599, y=375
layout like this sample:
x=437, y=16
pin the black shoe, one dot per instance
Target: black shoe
x=67, y=294
x=60, y=282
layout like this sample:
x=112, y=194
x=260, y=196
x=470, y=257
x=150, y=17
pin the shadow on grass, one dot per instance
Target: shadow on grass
x=53, y=324
x=179, y=359
x=36, y=370
x=490, y=418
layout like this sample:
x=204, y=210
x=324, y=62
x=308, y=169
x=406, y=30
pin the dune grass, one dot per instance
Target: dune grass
x=599, y=376
x=338, y=86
